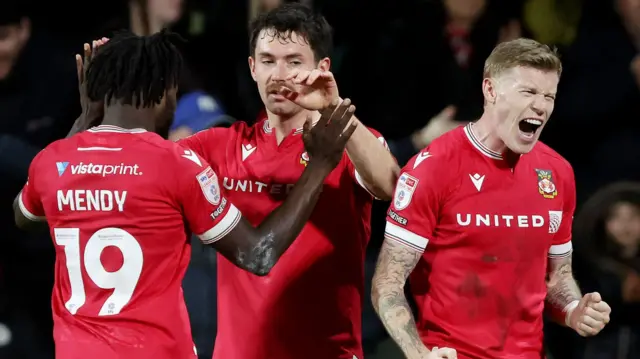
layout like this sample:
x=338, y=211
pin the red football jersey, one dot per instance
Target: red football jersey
x=309, y=306
x=486, y=230
x=116, y=202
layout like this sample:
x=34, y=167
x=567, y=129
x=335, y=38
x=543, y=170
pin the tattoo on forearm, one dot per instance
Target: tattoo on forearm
x=394, y=266
x=562, y=288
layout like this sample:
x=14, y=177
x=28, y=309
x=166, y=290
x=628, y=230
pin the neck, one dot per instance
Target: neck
x=283, y=125
x=485, y=131
x=141, y=22
x=129, y=117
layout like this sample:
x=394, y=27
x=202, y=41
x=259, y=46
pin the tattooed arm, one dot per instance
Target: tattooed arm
x=563, y=293
x=395, y=263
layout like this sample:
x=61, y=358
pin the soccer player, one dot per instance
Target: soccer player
x=482, y=219
x=309, y=306
x=117, y=198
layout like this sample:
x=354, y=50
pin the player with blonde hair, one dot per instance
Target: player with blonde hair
x=481, y=220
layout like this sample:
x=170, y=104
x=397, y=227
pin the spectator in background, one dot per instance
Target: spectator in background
x=38, y=104
x=607, y=238
x=197, y=111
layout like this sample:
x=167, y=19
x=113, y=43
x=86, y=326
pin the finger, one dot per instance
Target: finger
x=308, y=123
x=87, y=51
x=594, y=297
x=593, y=322
x=327, y=113
x=288, y=93
x=446, y=353
x=601, y=307
x=301, y=77
x=313, y=77
x=448, y=112
x=292, y=75
x=79, y=69
x=346, y=134
x=337, y=119
x=586, y=330
x=594, y=313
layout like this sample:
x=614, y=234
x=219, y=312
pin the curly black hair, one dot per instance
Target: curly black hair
x=136, y=70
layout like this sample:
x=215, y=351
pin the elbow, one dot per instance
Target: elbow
x=262, y=260
x=261, y=271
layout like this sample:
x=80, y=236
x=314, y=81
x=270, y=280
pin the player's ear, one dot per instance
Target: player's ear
x=252, y=67
x=489, y=90
x=324, y=64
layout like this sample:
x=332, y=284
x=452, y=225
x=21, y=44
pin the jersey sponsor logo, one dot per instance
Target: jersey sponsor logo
x=421, y=157
x=404, y=191
x=61, y=166
x=304, y=159
x=500, y=220
x=239, y=185
x=397, y=218
x=215, y=214
x=208, y=181
x=99, y=169
x=546, y=187
x=191, y=156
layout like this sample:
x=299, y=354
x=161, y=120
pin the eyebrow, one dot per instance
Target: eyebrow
x=532, y=88
x=290, y=56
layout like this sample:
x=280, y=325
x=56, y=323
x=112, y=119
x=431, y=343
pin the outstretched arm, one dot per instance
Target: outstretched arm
x=395, y=263
x=258, y=249
x=374, y=163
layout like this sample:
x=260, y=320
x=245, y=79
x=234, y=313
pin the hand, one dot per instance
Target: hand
x=442, y=353
x=92, y=111
x=317, y=89
x=590, y=316
x=325, y=141
x=436, y=127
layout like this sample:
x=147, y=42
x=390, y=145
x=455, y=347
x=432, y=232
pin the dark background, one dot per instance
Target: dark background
x=402, y=62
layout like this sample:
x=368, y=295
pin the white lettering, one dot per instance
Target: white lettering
x=105, y=170
x=91, y=200
x=500, y=220
x=232, y=184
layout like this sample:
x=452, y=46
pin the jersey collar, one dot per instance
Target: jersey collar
x=267, y=129
x=115, y=129
x=468, y=130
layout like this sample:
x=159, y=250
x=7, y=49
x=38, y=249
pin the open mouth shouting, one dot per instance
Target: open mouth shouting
x=528, y=128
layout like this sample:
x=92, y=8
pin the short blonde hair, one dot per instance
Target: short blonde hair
x=521, y=52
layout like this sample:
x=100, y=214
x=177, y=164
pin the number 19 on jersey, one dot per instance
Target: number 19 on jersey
x=123, y=281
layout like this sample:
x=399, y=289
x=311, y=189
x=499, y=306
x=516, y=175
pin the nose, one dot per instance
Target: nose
x=538, y=106
x=279, y=72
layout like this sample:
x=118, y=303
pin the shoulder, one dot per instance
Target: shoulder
x=442, y=156
x=549, y=157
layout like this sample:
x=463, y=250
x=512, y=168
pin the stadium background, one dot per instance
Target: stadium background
x=402, y=62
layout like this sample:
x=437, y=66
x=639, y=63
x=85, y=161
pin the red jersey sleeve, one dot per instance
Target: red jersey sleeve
x=352, y=169
x=207, y=211
x=196, y=142
x=414, y=210
x=562, y=220
x=29, y=199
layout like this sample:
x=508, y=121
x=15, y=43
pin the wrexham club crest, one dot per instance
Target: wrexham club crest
x=546, y=187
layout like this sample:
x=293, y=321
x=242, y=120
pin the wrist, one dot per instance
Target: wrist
x=568, y=310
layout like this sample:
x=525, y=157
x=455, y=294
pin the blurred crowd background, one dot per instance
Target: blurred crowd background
x=412, y=67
